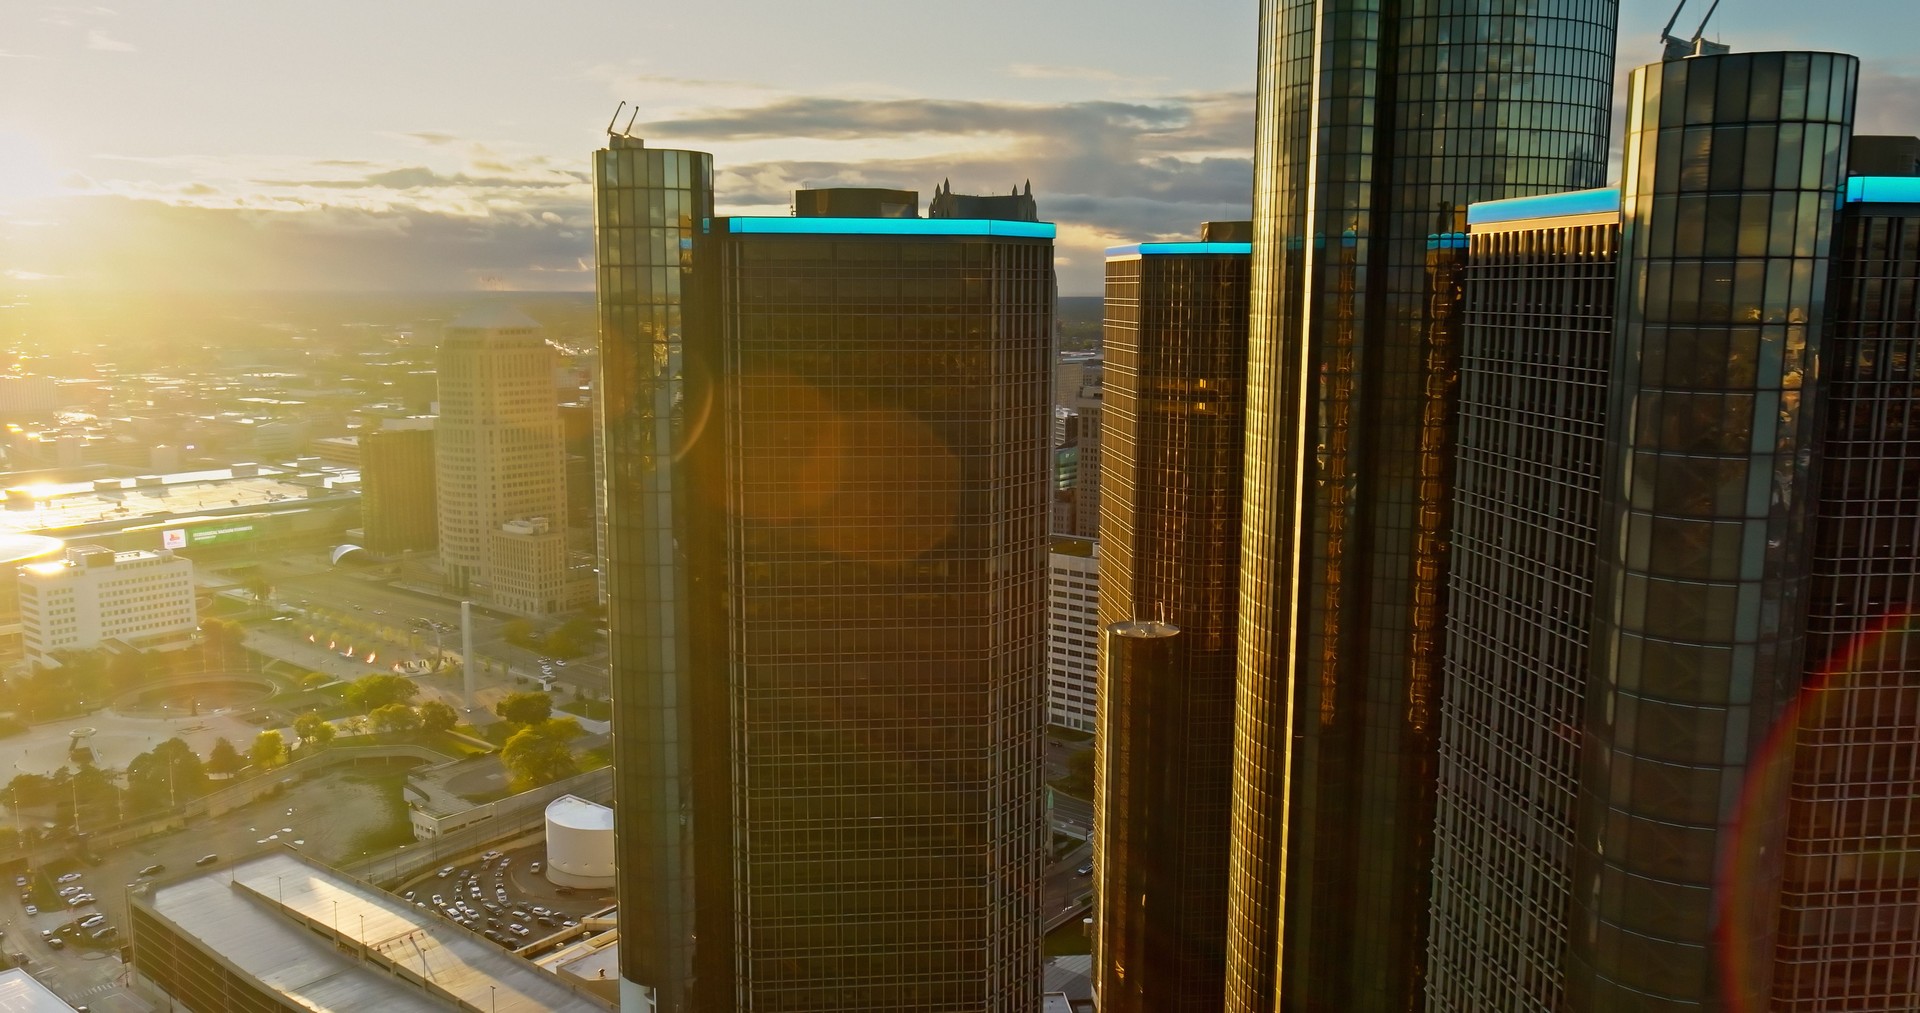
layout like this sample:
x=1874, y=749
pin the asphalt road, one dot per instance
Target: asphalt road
x=326, y=815
x=367, y=603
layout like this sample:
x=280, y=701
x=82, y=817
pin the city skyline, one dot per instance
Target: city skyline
x=179, y=150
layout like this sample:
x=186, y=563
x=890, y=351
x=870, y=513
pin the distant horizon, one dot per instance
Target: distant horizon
x=175, y=148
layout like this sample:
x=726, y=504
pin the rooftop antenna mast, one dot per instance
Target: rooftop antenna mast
x=623, y=102
x=1680, y=49
x=636, y=115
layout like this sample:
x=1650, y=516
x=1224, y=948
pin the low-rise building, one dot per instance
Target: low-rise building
x=279, y=932
x=94, y=595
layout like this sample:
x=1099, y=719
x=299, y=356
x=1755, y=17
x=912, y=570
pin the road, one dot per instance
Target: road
x=364, y=604
x=327, y=815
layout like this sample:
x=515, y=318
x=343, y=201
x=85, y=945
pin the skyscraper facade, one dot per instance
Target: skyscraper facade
x=1737, y=754
x=1174, y=415
x=497, y=443
x=1372, y=132
x=1525, y=517
x=1849, y=935
x=1733, y=164
x=398, y=505
x=827, y=559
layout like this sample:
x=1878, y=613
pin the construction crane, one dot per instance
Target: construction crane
x=1680, y=49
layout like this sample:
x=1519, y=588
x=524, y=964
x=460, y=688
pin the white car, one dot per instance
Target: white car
x=32, y=910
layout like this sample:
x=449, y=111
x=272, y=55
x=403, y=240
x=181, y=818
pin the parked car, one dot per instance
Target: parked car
x=70, y=877
x=153, y=870
x=91, y=920
x=56, y=943
x=535, y=867
x=206, y=859
x=79, y=899
x=445, y=872
x=104, y=932
x=32, y=910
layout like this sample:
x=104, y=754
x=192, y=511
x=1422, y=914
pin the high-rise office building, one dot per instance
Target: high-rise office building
x=1073, y=633
x=399, y=510
x=1694, y=813
x=1174, y=417
x=826, y=440
x=497, y=444
x=1532, y=412
x=1373, y=130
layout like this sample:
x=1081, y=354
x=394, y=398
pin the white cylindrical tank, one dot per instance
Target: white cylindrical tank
x=579, y=843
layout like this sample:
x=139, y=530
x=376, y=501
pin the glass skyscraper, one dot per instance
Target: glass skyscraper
x=827, y=547
x=1174, y=420
x=1679, y=724
x=1373, y=131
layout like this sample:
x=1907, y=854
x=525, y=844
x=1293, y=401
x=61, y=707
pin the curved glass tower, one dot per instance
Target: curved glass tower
x=1733, y=166
x=1376, y=125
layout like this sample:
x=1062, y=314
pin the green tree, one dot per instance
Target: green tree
x=395, y=718
x=126, y=671
x=525, y=708
x=218, y=641
x=539, y=754
x=223, y=758
x=517, y=631
x=30, y=790
x=561, y=644
x=436, y=716
x=258, y=587
x=269, y=750
x=315, y=731
x=167, y=774
x=370, y=692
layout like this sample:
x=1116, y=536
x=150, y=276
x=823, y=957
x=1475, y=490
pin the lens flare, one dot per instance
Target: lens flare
x=1785, y=777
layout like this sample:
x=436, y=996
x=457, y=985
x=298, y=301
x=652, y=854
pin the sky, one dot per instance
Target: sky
x=442, y=145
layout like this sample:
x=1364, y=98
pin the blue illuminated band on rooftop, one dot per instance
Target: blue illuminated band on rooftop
x=1882, y=190
x=794, y=226
x=1447, y=241
x=1165, y=249
x=1601, y=201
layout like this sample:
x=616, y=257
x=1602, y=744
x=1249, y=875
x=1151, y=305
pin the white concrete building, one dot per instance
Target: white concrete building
x=93, y=595
x=1073, y=633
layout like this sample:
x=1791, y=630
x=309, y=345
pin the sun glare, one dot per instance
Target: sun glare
x=24, y=173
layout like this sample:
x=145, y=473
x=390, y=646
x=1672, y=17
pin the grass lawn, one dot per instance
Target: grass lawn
x=1068, y=939
x=592, y=710
x=397, y=828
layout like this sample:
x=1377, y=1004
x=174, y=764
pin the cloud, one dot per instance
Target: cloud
x=100, y=40
x=1106, y=171
x=1889, y=102
x=116, y=242
x=1036, y=71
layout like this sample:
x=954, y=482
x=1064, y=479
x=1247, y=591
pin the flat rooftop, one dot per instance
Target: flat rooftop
x=19, y=993
x=68, y=507
x=328, y=942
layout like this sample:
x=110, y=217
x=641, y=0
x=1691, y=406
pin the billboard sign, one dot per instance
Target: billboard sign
x=210, y=534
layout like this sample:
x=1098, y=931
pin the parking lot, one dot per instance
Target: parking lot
x=329, y=816
x=504, y=897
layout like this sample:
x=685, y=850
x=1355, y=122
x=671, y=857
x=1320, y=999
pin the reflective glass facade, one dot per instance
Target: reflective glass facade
x=1536, y=348
x=655, y=400
x=1849, y=936
x=883, y=405
x=827, y=460
x=1732, y=167
x=1173, y=444
x=1373, y=128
